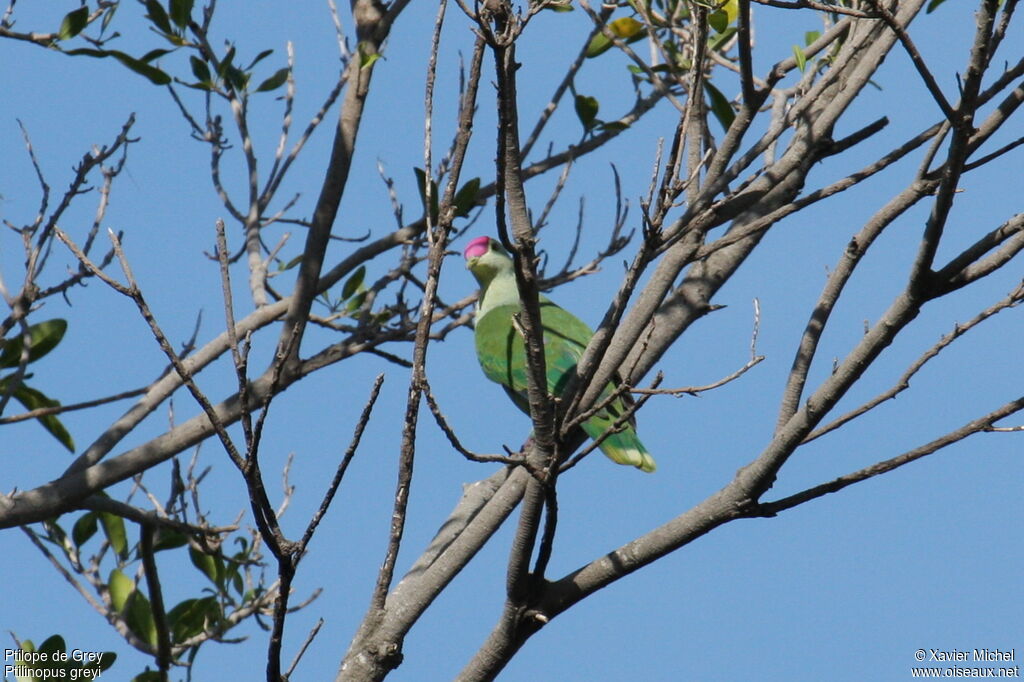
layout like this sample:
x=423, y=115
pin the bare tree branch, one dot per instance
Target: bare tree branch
x=981, y=424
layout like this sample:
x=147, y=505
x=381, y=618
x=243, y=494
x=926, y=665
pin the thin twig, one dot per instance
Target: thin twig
x=202, y=533
x=980, y=425
x=302, y=650
x=918, y=61
x=423, y=326
x=339, y=474
x=820, y=6
x=697, y=390
x=454, y=440
x=903, y=383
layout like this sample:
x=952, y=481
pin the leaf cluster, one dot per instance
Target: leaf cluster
x=174, y=24
x=126, y=587
x=22, y=349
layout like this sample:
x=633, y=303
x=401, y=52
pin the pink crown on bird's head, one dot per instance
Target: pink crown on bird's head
x=476, y=247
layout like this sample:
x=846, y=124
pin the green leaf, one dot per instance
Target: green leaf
x=230, y=571
x=181, y=12
x=382, y=316
x=53, y=666
x=33, y=400
x=720, y=106
x=107, y=659
x=154, y=54
x=368, y=60
x=42, y=338
x=465, y=198
x=206, y=563
x=586, y=110
x=88, y=52
x=238, y=79
x=598, y=45
x=52, y=645
x=225, y=63
x=421, y=180
x=155, y=75
x=356, y=302
x=191, y=617
x=231, y=74
x=275, y=81
x=259, y=58
x=719, y=39
x=200, y=70
x=206, y=86
x=113, y=528
x=353, y=283
x=139, y=617
x=682, y=63
x=157, y=15
x=120, y=587
x=73, y=23
x=719, y=21
x=367, y=55
x=801, y=57
x=168, y=538
x=730, y=8
x=290, y=264
x=625, y=28
x=85, y=528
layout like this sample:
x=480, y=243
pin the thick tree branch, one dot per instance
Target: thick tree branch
x=372, y=27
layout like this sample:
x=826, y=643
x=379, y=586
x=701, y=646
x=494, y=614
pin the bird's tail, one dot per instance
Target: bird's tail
x=623, y=447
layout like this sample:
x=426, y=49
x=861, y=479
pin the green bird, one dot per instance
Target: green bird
x=502, y=354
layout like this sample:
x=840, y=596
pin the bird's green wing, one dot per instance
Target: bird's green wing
x=502, y=356
x=500, y=351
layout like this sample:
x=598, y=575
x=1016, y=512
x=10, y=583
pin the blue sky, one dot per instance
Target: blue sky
x=847, y=587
